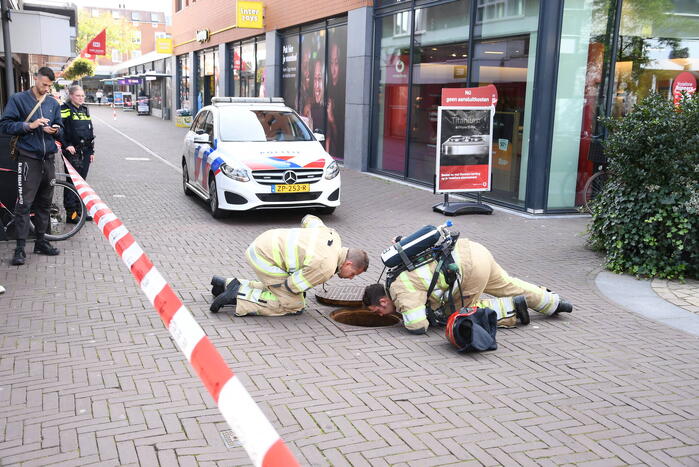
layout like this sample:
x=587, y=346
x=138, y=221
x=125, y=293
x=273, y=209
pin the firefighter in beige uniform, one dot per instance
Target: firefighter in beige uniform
x=287, y=263
x=478, y=273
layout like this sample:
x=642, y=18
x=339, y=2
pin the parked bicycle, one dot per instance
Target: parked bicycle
x=593, y=186
x=60, y=226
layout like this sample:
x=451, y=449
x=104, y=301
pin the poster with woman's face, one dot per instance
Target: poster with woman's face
x=312, y=87
x=337, y=68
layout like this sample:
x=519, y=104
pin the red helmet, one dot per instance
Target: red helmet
x=456, y=333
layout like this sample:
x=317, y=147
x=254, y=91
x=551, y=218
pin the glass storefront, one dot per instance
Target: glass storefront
x=410, y=81
x=656, y=42
x=207, y=75
x=247, y=59
x=314, y=60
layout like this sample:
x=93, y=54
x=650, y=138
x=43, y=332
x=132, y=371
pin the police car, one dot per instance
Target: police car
x=243, y=154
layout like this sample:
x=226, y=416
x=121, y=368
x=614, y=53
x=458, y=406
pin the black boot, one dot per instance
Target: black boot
x=521, y=309
x=219, y=285
x=563, y=307
x=43, y=247
x=20, y=257
x=228, y=297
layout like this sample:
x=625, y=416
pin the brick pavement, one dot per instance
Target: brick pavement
x=89, y=375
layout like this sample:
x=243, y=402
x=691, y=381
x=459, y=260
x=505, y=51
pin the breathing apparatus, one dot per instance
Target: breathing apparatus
x=424, y=246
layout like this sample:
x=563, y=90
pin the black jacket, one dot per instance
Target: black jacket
x=36, y=143
x=78, y=130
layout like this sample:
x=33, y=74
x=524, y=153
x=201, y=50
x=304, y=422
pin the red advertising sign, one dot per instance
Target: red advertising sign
x=464, y=139
x=686, y=82
x=98, y=45
x=484, y=96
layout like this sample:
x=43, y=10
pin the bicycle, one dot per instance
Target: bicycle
x=593, y=186
x=59, y=228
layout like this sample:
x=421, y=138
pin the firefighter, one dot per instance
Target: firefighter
x=478, y=273
x=287, y=263
x=77, y=143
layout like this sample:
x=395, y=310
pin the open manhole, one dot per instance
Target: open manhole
x=363, y=317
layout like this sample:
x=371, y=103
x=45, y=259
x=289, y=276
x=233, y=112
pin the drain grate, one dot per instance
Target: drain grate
x=229, y=439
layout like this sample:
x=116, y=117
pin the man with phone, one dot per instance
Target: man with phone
x=35, y=118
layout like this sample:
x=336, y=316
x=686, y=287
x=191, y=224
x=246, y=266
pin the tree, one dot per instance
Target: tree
x=120, y=32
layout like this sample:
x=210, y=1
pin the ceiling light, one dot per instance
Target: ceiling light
x=493, y=52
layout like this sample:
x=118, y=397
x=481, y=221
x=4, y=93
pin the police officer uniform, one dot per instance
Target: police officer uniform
x=479, y=273
x=79, y=133
x=287, y=262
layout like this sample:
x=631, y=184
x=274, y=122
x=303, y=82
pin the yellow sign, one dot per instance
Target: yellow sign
x=163, y=45
x=249, y=15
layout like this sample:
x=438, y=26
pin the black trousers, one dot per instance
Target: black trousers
x=35, y=179
x=81, y=164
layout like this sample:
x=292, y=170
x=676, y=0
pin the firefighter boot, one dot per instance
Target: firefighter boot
x=563, y=307
x=219, y=285
x=521, y=309
x=43, y=247
x=227, y=297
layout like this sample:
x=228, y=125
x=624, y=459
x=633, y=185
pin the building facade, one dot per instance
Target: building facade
x=369, y=76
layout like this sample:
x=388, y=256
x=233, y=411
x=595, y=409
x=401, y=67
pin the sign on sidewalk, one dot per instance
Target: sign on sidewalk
x=464, y=146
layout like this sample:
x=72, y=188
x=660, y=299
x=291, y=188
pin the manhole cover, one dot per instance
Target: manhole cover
x=348, y=295
x=363, y=317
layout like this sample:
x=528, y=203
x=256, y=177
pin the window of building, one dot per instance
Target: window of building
x=95, y=12
x=179, y=4
x=161, y=35
x=136, y=37
x=135, y=53
x=116, y=14
x=247, y=60
x=116, y=55
x=135, y=16
x=155, y=18
x=183, y=71
x=492, y=10
x=207, y=75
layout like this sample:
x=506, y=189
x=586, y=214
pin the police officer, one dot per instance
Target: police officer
x=287, y=263
x=478, y=273
x=78, y=144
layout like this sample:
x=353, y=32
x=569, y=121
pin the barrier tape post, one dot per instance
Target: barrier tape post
x=256, y=434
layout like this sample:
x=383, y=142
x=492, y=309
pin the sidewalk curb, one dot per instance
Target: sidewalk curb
x=637, y=296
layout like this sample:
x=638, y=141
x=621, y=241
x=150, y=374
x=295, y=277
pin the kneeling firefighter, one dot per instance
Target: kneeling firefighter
x=77, y=144
x=433, y=271
x=288, y=262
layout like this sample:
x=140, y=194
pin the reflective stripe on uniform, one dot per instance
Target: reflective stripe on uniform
x=549, y=303
x=262, y=265
x=292, y=251
x=414, y=315
x=406, y=282
x=504, y=307
x=299, y=282
x=251, y=294
x=65, y=113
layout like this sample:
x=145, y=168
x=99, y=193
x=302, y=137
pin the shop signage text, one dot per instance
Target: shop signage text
x=484, y=96
x=250, y=15
x=202, y=35
x=129, y=81
x=163, y=45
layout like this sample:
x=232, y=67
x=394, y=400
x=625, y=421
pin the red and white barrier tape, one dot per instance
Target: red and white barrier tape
x=256, y=434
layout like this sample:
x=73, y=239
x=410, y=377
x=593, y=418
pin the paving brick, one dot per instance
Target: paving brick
x=94, y=371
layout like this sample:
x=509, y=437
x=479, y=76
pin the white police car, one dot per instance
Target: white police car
x=242, y=154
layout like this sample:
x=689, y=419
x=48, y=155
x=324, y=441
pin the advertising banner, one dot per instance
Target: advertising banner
x=465, y=139
x=686, y=82
x=118, y=99
x=464, y=151
x=98, y=44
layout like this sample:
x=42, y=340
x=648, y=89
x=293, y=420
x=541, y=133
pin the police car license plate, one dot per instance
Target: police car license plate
x=300, y=187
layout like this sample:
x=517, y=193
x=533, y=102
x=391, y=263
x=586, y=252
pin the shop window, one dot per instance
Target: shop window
x=492, y=10
x=183, y=71
x=247, y=69
x=235, y=68
x=290, y=51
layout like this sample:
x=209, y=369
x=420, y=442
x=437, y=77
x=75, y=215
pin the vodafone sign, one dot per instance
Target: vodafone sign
x=686, y=82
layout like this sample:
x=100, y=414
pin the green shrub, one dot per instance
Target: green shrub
x=79, y=68
x=646, y=219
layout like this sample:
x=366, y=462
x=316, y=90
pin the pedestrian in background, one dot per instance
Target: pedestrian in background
x=35, y=117
x=77, y=143
x=98, y=95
